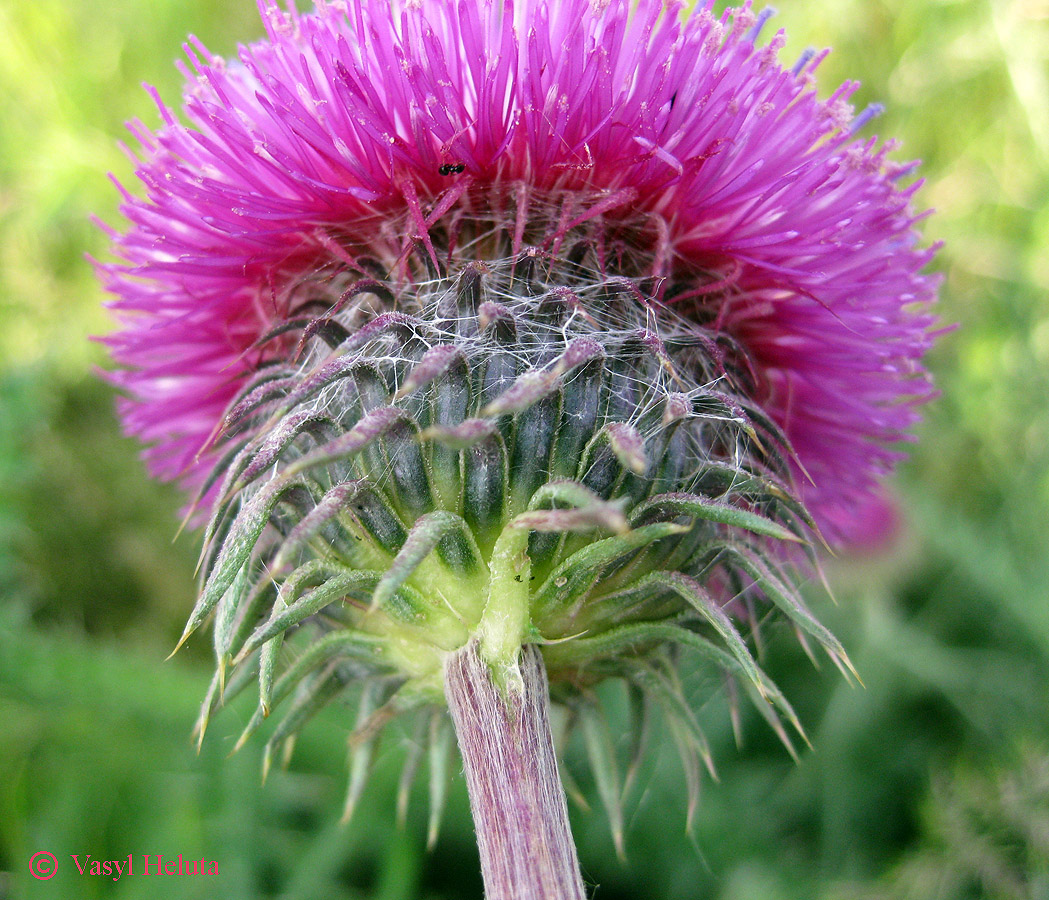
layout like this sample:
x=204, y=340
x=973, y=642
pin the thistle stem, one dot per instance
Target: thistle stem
x=518, y=803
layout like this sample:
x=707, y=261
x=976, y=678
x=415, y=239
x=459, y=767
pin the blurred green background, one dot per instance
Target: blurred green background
x=932, y=781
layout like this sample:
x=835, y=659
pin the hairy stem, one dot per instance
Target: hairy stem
x=518, y=803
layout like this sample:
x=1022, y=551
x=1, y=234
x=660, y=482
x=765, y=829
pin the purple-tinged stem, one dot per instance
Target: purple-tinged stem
x=518, y=803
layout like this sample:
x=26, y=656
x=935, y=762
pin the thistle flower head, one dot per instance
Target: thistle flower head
x=772, y=222
x=541, y=321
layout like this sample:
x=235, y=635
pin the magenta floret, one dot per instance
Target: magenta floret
x=367, y=110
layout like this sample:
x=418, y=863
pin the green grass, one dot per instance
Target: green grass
x=928, y=782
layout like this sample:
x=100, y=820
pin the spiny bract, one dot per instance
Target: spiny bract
x=524, y=447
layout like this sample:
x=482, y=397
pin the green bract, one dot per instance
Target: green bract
x=521, y=448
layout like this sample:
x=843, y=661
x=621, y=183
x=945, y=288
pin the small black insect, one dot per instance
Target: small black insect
x=451, y=169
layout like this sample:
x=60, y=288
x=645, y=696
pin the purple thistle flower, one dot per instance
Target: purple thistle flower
x=774, y=224
x=500, y=340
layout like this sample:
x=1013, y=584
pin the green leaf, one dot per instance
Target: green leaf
x=640, y=731
x=601, y=751
x=712, y=511
x=239, y=544
x=327, y=511
x=725, y=480
x=693, y=593
x=308, y=575
x=380, y=532
x=427, y=533
x=576, y=576
x=534, y=431
x=268, y=657
x=216, y=696
x=312, y=696
x=412, y=761
x=627, y=641
x=334, y=589
x=362, y=751
x=226, y=614
x=789, y=602
x=440, y=756
x=693, y=747
x=579, y=496
x=339, y=646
